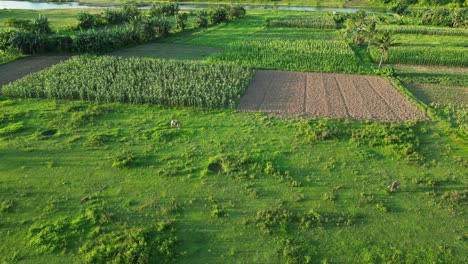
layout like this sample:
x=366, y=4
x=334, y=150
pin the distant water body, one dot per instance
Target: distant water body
x=38, y=5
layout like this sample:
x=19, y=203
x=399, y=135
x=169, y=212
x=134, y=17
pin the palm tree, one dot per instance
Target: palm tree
x=369, y=31
x=383, y=42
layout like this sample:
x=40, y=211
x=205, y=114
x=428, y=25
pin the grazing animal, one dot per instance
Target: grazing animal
x=394, y=186
x=176, y=123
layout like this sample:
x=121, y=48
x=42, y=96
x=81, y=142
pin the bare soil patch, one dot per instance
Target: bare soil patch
x=328, y=95
x=19, y=68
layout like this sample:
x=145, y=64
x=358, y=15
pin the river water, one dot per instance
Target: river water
x=43, y=5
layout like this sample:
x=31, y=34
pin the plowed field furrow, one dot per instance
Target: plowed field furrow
x=357, y=108
x=378, y=108
x=402, y=108
x=334, y=96
x=328, y=95
x=252, y=97
x=317, y=104
x=284, y=94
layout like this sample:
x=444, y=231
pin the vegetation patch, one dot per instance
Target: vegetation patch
x=292, y=55
x=441, y=56
x=310, y=21
x=136, y=80
x=11, y=128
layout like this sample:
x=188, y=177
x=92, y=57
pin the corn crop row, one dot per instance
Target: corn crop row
x=422, y=55
x=320, y=22
x=136, y=80
x=425, y=30
x=293, y=55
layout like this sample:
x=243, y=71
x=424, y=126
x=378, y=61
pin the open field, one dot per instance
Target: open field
x=83, y=180
x=231, y=186
x=328, y=95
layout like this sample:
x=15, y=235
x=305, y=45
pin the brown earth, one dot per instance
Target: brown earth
x=328, y=95
x=17, y=69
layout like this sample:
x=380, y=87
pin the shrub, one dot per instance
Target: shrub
x=236, y=12
x=41, y=25
x=86, y=20
x=5, y=39
x=113, y=17
x=123, y=159
x=201, y=19
x=60, y=44
x=29, y=43
x=165, y=9
x=181, y=20
x=218, y=15
x=130, y=12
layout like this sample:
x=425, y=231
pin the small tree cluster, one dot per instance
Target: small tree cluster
x=361, y=29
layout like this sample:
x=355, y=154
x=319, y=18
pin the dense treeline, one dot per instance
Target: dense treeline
x=113, y=29
x=136, y=80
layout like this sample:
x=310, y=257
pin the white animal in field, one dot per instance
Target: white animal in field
x=176, y=123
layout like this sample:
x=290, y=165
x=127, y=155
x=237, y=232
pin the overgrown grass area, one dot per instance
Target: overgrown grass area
x=76, y=178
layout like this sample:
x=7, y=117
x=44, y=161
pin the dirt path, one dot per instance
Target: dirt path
x=328, y=95
x=16, y=69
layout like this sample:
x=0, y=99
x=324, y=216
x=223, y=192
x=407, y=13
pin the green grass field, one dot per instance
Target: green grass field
x=220, y=176
x=88, y=182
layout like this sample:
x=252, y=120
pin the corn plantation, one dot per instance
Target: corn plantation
x=319, y=22
x=293, y=55
x=441, y=56
x=136, y=80
x=424, y=30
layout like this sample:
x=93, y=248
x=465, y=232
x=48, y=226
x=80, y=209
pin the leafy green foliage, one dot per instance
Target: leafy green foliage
x=218, y=15
x=164, y=9
x=201, y=19
x=134, y=80
x=236, y=12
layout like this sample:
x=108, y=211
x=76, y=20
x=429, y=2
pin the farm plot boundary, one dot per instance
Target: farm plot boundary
x=328, y=95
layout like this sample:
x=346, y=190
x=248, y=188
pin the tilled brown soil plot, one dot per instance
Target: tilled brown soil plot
x=328, y=95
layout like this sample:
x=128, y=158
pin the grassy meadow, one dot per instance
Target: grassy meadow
x=95, y=182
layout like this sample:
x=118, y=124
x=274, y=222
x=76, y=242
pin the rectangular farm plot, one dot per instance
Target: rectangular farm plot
x=328, y=95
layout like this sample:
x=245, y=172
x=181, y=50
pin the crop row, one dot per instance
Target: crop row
x=422, y=55
x=136, y=80
x=293, y=55
x=319, y=22
x=425, y=30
